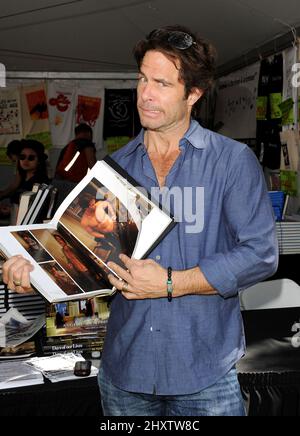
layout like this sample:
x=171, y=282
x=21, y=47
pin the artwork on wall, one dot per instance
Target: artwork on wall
x=236, y=103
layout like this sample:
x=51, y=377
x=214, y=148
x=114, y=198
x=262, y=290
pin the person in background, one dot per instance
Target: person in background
x=31, y=169
x=83, y=145
x=175, y=330
x=13, y=150
x=80, y=154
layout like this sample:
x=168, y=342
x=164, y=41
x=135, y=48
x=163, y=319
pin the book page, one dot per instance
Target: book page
x=15, y=241
x=101, y=222
x=103, y=217
x=153, y=222
x=74, y=270
x=113, y=215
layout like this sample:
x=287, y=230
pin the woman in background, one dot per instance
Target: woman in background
x=31, y=169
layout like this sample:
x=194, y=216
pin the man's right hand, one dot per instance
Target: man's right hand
x=16, y=274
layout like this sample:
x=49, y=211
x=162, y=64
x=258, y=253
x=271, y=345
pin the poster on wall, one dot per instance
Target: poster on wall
x=289, y=94
x=35, y=114
x=61, y=107
x=10, y=115
x=236, y=103
x=121, y=121
x=89, y=110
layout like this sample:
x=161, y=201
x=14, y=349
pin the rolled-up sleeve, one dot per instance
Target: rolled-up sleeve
x=250, y=220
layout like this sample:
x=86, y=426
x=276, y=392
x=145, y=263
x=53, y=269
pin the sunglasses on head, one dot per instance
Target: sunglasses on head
x=176, y=38
x=30, y=157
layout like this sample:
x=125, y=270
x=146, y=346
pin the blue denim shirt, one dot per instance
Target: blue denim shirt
x=184, y=346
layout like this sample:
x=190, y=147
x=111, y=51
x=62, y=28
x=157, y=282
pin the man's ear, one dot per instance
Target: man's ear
x=194, y=96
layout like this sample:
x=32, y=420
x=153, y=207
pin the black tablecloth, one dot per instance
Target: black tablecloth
x=78, y=397
x=288, y=268
x=269, y=374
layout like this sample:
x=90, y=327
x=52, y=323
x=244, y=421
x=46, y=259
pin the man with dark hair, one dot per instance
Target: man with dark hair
x=177, y=356
x=175, y=331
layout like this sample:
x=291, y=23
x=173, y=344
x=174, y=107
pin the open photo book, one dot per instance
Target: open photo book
x=105, y=215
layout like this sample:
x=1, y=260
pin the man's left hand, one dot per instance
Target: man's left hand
x=142, y=279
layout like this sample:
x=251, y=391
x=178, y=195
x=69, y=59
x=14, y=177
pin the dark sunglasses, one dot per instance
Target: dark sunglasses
x=176, y=38
x=30, y=157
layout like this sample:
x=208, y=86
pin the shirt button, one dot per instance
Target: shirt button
x=158, y=258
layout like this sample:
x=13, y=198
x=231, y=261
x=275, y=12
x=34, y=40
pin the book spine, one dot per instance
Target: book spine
x=26, y=200
x=72, y=345
x=34, y=216
x=54, y=193
x=27, y=217
x=68, y=350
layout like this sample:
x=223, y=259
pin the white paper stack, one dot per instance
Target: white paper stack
x=288, y=234
x=59, y=367
x=14, y=374
x=15, y=329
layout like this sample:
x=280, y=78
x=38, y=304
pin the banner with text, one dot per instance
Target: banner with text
x=236, y=103
x=10, y=115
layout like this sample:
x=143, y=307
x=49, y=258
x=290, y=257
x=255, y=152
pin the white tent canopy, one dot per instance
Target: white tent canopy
x=98, y=35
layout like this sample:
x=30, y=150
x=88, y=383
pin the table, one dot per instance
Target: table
x=68, y=398
x=269, y=374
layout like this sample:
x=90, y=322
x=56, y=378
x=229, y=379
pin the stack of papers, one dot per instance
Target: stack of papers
x=59, y=367
x=15, y=329
x=288, y=234
x=14, y=374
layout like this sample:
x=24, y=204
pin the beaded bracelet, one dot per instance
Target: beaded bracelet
x=170, y=285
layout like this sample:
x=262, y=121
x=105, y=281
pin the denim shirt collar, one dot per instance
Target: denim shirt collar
x=194, y=136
